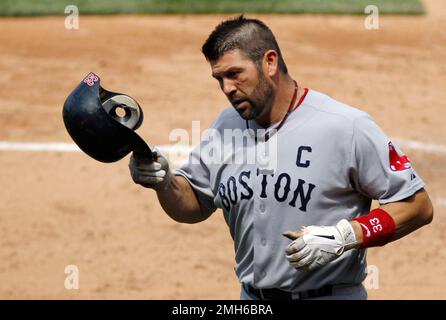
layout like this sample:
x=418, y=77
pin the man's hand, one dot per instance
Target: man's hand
x=316, y=246
x=150, y=174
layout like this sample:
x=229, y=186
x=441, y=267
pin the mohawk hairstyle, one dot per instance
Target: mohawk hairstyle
x=251, y=36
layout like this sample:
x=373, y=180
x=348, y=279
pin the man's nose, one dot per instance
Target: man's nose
x=228, y=87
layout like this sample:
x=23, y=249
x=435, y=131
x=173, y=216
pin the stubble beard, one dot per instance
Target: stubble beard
x=261, y=99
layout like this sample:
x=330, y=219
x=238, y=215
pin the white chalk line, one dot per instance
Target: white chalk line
x=181, y=152
x=39, y=146
x=71, y=147
x=177, y=154
x=441, y=202
x=421, y=146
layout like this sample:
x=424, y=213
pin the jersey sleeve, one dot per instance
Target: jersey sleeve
x=198, y=174
x=378, y=168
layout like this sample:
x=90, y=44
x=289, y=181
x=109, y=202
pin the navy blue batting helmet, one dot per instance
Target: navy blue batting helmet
x=102, y=122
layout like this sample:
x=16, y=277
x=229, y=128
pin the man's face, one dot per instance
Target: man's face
x=244, y=83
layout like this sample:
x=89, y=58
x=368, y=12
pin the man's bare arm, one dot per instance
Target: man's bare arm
x=409, y=215
x=180, y=202
x=175, y=194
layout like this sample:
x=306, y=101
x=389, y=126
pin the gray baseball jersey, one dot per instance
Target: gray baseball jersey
x=332, y=160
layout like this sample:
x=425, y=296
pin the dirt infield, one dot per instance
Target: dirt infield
x=58, y=209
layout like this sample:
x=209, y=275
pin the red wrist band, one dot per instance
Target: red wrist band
x=377, y=227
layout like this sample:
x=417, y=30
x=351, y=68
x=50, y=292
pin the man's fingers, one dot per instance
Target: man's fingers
x=141, y=158
x=151, y=173
x=295, y=246
x=152, y=166
x=296, y=257
x=293, y=235
x=304, y=268
x=155, y=154
x=147, y=175
x=147, y=180
x=147, y=166
x=304, y=263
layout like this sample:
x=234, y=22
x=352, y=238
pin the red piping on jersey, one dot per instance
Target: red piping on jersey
x=267, y=135
x=301, y=99
x=293, y=100
x=291, y=105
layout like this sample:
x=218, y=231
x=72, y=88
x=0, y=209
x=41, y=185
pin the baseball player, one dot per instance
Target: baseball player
x=301, y=221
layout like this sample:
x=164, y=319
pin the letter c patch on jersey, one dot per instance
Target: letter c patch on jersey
x=398, y=160
x=299, y=162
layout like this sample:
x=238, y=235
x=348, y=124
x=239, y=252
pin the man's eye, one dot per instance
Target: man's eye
x=232, y=75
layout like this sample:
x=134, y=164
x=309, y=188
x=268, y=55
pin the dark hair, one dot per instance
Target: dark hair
x=251, y=36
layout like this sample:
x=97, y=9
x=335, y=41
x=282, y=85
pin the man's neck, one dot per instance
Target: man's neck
x=281, y=104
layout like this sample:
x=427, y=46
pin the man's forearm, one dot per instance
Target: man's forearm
x=179, y=201
x=409, y=215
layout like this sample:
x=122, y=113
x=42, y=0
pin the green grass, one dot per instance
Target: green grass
x=57, y=7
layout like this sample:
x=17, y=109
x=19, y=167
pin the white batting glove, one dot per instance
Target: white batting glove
x=150, y=174
x=316, y=246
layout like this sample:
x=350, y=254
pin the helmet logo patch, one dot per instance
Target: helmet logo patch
x=90, y=79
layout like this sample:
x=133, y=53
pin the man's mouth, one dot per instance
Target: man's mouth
x=236, y=103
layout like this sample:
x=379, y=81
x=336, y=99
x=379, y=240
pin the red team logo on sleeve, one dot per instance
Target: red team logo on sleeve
x=90, y=79
x=398, y=162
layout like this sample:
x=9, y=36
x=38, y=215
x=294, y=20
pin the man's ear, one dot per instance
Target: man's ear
x=271, y=62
